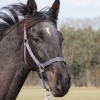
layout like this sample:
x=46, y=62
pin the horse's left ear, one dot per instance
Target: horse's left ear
x=55, y=8
x=31, y=7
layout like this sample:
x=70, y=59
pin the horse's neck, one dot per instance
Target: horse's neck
x=13, y=71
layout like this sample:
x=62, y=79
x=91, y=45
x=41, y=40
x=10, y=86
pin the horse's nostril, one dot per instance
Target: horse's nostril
x=62, y=83
x=59, y=80
x=59, y=83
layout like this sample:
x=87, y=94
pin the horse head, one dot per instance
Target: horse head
x=45, y=41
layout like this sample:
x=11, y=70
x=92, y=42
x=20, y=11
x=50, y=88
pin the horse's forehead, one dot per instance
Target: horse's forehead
x=46, y=27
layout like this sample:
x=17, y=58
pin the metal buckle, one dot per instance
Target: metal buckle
x=41, y=68
x=25, y=41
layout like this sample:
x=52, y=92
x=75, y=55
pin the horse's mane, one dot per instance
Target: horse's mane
x=13, y=14
x=9, y=16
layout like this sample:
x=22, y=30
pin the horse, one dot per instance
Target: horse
x=30, y=41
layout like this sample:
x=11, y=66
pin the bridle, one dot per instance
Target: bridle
x=41, y=66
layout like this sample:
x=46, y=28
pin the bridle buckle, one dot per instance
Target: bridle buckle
x=25, y=40
x=41, y=68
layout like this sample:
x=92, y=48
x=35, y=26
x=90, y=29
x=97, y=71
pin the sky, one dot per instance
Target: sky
x=77, y=9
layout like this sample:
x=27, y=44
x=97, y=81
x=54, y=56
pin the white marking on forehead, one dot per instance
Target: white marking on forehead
x=48, y=30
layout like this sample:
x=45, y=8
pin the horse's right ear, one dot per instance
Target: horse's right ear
x=31, y=7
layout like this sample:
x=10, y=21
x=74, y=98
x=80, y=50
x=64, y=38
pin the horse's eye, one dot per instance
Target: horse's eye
x=36, y=40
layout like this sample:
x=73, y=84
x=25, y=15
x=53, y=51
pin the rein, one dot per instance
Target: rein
x=41, y=66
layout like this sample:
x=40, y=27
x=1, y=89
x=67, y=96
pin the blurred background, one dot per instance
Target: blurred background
x=79, y=22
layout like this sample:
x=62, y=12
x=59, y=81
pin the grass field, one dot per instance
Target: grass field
x=36, y=93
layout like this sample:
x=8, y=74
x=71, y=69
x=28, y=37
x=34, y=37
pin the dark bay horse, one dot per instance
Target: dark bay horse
x=39, y=31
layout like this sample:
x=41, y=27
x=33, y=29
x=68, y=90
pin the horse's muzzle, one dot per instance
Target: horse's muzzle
x=62, y=87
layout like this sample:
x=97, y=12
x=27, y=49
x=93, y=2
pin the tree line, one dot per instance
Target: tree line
x=81, y=49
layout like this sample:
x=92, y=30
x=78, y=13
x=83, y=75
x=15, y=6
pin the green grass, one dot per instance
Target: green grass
x=36, y=93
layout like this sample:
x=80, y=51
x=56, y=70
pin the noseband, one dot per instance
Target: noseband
x=41, y=66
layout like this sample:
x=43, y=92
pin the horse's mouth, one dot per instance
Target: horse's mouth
x=57, y=95
x=62, y=93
